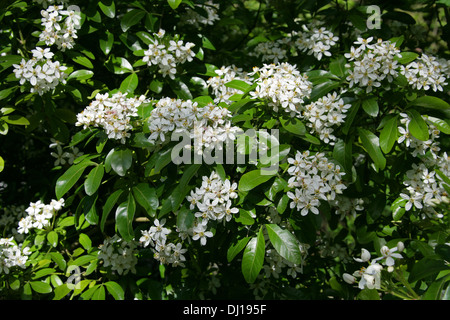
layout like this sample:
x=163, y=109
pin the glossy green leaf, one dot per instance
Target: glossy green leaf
x=146, y=197
x=252, y=179
x=417, y=126
x=129, y=84
x=106, y=44
x=285, y=243
x=236, y=248
x=342, y=153
x=16, y=120
x=124, y=218
x=94, y=179
x=323, y=88
x=2, y=164
x=115, y=290
x=371, y=144
x=442, y=125
x=389, y=134
x=108, y=7
x=370, y=106
x=109, y=204
x=337, y=66
x=41, y=287
x=68, y=179
x=131, y=18
x=85, y=241
x=52, y=238
x=174, y=3
x=253, y=257
x=293, y=125
x=121, y=161
x=238, y=84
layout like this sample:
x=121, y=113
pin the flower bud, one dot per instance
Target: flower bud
x=349, y=278
x=400, y=246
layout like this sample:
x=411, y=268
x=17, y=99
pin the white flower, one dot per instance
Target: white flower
x=201, y=234
x=365, y=256
x=389, y=255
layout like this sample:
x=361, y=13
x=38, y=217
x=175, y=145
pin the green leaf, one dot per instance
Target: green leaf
x=121, y=161
x=124, y=218
x=131, y=18
x=388, y=135
x=425, y=268
x=252, y=179
x=417, y=126
x=85, y=241
x=253, y=258
x=342, y=152
x=337, y=66
x=109, y=204
x=371, y=144
x=442, y=125
x=84, y=61
x=146, y=197
x=81, y=74
x=407, y=57
x=129, y=84
x=174, y=3
x=52, y=238
x=368, y=294
x=99, y=294
x=106, y=44
x=322, y=89
x=115, y=290
x=2, y=164
x=185, y=218
x=293, y=125
x=59, y=260
x=156, y=86
x=70, y=177
x=16, y=120
x=94, y=179
x=234, y=249
x=285, y=243
x=238, y=84
x=41, y=287
x=430, y=102
x=108, y=7
x=370, y=106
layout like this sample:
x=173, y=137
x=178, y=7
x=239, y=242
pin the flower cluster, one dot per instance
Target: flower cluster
x=314, y=178
x=283, y=86
x=345, y=206
x=315, y=40
x=164, y=251
x=119, y=254
x=372, y=63
x=39, y=215
x=419, y=147
x=208, y=17
x=212, y=202
x=166, y=54
x=111, y=113
x=209, y=126
x=60, y=26
x=11, y=255
x=225, y=74
x=427, y=73
x=370, y=277
x=62, y=157
x=40, y=71
x=424, y=187
x=324, y=114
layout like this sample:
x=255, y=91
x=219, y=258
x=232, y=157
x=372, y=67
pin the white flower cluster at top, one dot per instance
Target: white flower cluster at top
x=39, y=215
x=164, y=251
x=283, y=86
x=119, y=254
x=40, y=71
x=372, y=63
x=314, y=178
x=11, y=255
x=225, y=74
x=419, y=147
x=427, y=73
x=314, y=40
x=209, y=126
x=111, y=113
x=208, y=17
x=60, y=26
x=426, y=188
x=324, y=114
x=167, y=54
x=370, y=277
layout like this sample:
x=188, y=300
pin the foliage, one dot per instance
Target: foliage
x=224, y=150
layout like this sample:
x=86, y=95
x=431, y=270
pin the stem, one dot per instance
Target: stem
x=399, y=276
